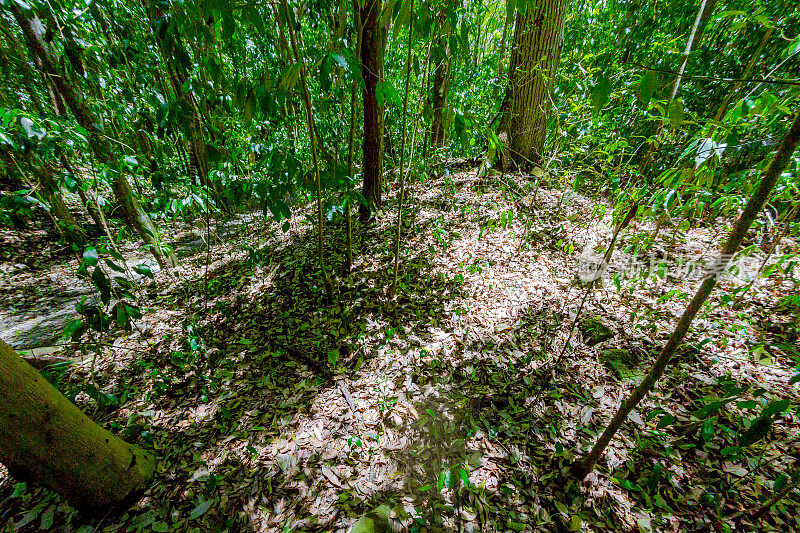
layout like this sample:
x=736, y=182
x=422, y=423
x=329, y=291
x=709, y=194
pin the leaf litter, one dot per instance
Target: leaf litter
x=271, y=410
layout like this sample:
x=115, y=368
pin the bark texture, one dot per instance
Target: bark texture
x=369, y=12
x=534, y=57
x=47, y=439
x=442, y=59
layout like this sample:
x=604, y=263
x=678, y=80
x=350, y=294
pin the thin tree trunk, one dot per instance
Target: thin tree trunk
x=687, y=51
x=754, y=60
x=93, y=213
x=706, y=7
x=27, y=78
x=440, y=88
x=538, y=36
x=51, y=191
x=371, y=59
x=313, y=139
x=393, y=286
x=137, y=217
x=502, y=59
x=46, y=438
x=197, y=143
x=731, y=246
x=348, y=217
x=340, y=24
x=26, y=72
x=478, y=28
x=289, y=109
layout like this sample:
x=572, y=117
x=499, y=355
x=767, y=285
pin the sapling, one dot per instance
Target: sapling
x=393, y=286
x=768, y=180
x=313, y=138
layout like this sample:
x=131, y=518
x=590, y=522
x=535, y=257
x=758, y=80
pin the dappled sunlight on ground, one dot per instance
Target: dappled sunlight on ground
x=272, y=410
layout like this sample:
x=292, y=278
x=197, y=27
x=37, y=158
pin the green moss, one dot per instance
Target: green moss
x=594, y=330
x=622, y=363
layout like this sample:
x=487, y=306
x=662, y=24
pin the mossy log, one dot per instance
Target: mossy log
x=46, y=439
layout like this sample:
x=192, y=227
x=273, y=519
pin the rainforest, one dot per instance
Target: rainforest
x=399, y=265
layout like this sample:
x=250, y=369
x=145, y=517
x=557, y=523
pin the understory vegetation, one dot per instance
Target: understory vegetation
x=399, y=265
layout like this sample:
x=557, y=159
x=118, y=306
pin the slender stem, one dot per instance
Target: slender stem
x=313, y=139
x=606, y=259
x=348, y=217
x=761, y=511
x=732, y=243
x=392, y=287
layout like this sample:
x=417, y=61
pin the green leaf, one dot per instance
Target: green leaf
x=133, y=311
x=600, y=94
x=676, y=112
x=464, y=477
x=111, y=264
x=333, y=358
x=775, y=408
x=120, y=315
x=102, y=283
x=325, y=77
x=19, y=489
x=144, y=270
x=290, y=76
x=74, y=329
x=729, y=451
x=707, y=431
x=91, y=256
x=47, y=519
x=665, y=421
x=647, y=86
x=757, y=431
x=201, y=509
x=576, y=523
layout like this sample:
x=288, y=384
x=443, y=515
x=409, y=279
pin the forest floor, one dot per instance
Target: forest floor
x=448, y=405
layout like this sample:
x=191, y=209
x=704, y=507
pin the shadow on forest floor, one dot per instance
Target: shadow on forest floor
x=272, y=410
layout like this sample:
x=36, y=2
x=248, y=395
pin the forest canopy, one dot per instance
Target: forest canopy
x=424, y=265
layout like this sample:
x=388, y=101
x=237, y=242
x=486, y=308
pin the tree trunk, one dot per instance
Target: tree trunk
x=52, y=194
x=393, y=286
x=731, y=246
x=47, y=439
x=502, y=59
x=440, y=89
x=197, y=142
x=27, y=73
x=371, y=59
x=706, y=8
x=478, y=28
x=312, y=136
x=536, y=51
x=755, y=58
x=27, y=76
x=138, y=219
